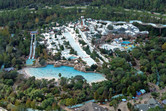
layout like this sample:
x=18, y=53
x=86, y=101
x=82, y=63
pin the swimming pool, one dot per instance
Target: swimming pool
x=30, y=61
x=72, y=57
x=125, y=42
x=52, y=72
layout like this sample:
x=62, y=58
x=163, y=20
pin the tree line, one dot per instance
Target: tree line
x=13, y=4
x=150, y=5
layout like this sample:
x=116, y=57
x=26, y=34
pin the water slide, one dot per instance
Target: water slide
x=30, y=53
x=34, y=47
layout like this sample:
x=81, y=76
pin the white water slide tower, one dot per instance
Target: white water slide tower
x=33, y=44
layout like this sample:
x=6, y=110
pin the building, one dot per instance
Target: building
x=164, y=102
x=92, y=107
x=152, y=103
x=141, y=92
x=9, y=69
x=138, y=93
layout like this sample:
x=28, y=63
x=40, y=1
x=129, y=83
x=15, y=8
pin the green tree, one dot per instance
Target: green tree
x=114, y=103
x=164, y=46
x=47, y=102
x=96, y=96
x=136, y=53
x=129, y=105
x=60, y=75
x=43, y=62
x=155, y=94
x=157, y=108
x=14, y=61
x=70, y=101
x=28, y=103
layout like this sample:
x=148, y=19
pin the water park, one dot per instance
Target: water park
x=69, y=39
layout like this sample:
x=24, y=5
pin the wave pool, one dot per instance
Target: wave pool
x=52, y=72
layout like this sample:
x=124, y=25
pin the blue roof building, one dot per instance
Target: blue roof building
x=9, y=69
x=138, y=93
x=124, y=100
x=164, y=101
x=12, y=35
x=140, y=72
x=34, y=32
x=143, y=91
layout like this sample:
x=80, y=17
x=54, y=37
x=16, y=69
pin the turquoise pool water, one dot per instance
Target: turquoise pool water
x=30, y=61
x=2, y=67
x=52, y=72
x=131, y=48
x=72, y=57
x=125, y=42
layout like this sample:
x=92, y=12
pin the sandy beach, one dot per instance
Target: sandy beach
x=27, y=74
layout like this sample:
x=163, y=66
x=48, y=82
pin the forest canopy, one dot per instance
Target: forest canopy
x=150, y=5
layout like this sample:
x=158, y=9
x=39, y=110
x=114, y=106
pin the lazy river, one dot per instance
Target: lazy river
x=53, y=72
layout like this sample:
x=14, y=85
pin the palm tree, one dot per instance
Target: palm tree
x=60, y=75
